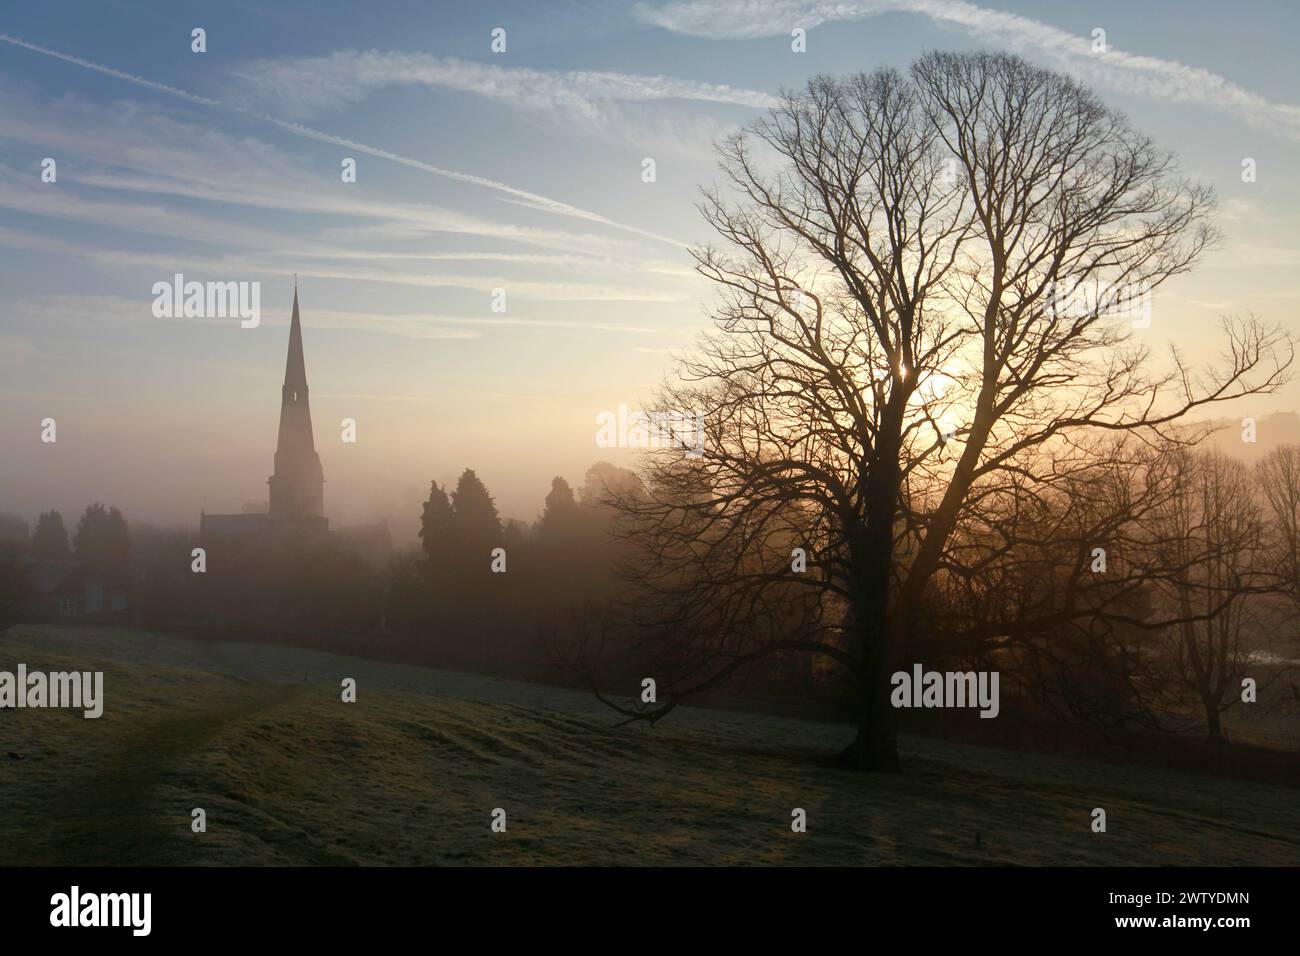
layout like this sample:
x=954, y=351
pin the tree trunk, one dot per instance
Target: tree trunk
x=875, y=747
x=877, y=626
x=1213, y=724
x=878, y=635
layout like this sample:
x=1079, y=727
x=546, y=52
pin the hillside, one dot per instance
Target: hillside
x=410, y=773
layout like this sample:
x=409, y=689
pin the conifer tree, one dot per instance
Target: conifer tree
x=50, y=540
x=477, y=523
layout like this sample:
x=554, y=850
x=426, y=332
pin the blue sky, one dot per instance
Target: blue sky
x=476, y=170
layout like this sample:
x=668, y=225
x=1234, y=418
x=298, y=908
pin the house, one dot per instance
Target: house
x=72, y=591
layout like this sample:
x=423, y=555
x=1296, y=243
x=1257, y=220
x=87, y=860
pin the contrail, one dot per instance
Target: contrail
x=530, y=199
x=109, y=71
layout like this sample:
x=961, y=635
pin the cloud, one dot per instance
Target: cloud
x=152, y=220
x=1152, y=77
x=307, y=87
x=583, y=264
x=161, y=266
x=539, y=290
x=561, y=324
x=129, y=165
x=46, y=309
x=163, y=179
x=621, y=107
x=1259, y=254
x=533, y=200
x=397, y=220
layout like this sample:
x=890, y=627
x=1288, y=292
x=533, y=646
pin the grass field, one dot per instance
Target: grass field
x=410, y=773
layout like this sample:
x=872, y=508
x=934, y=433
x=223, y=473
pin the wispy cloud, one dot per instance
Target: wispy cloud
x=131, y=166
x=539, y=290
x=45, y=310
x=584, y=264
x=307, y=87
x=162, y=265
x=1156, y=78
x=149, y=219
x=625, y=108
x=531, y=199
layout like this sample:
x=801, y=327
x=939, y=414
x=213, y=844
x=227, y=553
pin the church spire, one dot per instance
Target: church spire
x=295, y=366
x=298, y=485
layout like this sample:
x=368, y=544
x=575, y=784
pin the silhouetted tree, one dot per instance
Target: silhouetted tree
x=438, y=531
x=13, y=531
x=1050, y=583
x=917, y=308
x=166, y=589
x=561, y=511
x=102, y=540
x=50, y=539
x=478, y=527
x=604, y=482
x=1278, y=475
x=1214, y=540
x=13, y=586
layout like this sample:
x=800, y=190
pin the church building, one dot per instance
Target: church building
x=298, y=485
x=297, y=489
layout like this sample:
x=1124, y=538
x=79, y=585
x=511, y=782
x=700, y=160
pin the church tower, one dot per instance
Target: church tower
x=298, y=485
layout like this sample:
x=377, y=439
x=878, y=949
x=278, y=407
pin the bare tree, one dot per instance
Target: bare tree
x=1278, y=476
x=917, y=292
x=1279, y=481
x=1052, y=586
x=1213, y=541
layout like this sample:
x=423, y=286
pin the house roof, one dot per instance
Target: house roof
x=47, y=576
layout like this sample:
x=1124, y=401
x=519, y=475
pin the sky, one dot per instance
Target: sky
x=476, y=171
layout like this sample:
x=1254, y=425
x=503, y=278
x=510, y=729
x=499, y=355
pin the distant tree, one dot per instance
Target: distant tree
x=561, y=511
x=514, y=535
x=605, y=482
x=103, y=541
x=1214, y=541
x=478, y=526
x=437, y=523
x=1030, y=599
x=1279, y=480
x=165, y=588
x=13, y=586
x=50, y=539
x=13, y=531
x=410, y=600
